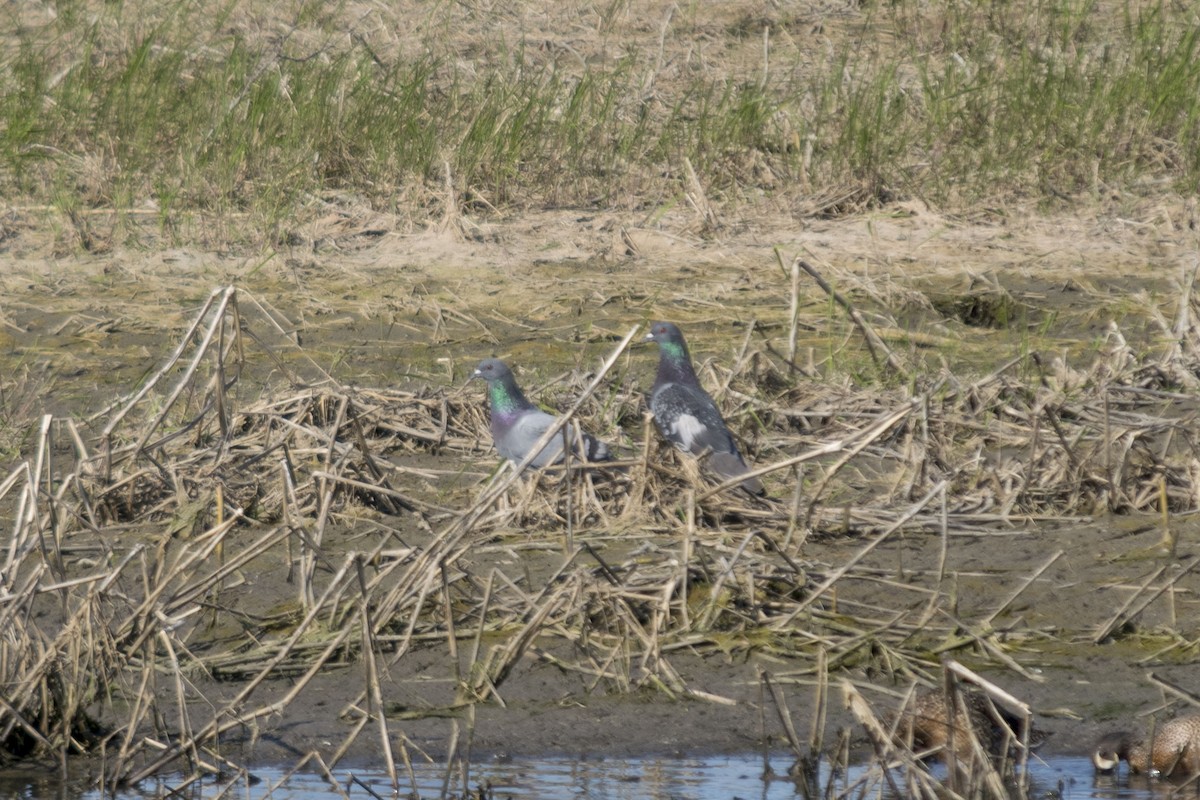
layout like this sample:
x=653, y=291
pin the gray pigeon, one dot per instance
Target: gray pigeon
x=684, y=412
x=517, y=424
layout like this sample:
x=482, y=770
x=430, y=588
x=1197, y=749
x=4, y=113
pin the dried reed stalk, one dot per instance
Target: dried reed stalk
x=875, y=344
x=198, y=483
x=1135, y=604
x=922, y=783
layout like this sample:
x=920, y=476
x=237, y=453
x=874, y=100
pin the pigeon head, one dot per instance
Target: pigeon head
x=505, y=396
x=674, y=362
x=492, y=369
x=669, y=339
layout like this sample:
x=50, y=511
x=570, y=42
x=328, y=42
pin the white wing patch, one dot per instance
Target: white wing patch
x=688, y=429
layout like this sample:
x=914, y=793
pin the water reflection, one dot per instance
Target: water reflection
x=711, y=778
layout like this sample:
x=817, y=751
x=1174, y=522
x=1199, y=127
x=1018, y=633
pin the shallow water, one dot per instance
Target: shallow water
x=709, y=778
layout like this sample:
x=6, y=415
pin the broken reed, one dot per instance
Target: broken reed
x=124, y=543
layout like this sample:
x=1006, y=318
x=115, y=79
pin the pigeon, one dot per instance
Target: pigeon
x=517, y=424
x=684, y=412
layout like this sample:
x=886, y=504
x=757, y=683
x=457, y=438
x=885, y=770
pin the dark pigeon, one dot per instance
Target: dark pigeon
x=517, y=424
x=684, y=412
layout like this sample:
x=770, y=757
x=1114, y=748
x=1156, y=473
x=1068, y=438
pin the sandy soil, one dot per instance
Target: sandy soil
x=420, y=308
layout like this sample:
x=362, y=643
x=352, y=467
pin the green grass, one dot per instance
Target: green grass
x=183, y=112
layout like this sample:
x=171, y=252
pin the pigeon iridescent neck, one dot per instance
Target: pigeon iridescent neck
x=507, y=401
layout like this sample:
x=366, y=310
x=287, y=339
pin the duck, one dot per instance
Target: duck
x=1175, y=750
x=925, y=725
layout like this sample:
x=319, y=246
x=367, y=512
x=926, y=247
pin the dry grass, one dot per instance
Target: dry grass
x=240, y=126
x=125, y=540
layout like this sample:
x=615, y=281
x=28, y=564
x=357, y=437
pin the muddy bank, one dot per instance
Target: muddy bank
x=1078, y=689
x=329, y=498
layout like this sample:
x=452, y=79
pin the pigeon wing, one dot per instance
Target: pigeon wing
x=688, y=418
x=524, y=433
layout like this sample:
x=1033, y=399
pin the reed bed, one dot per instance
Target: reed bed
x=382, y=508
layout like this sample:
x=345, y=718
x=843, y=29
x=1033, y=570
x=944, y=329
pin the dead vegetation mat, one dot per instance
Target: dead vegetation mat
x=384, y=510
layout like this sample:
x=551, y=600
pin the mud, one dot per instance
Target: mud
x=552, y=290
